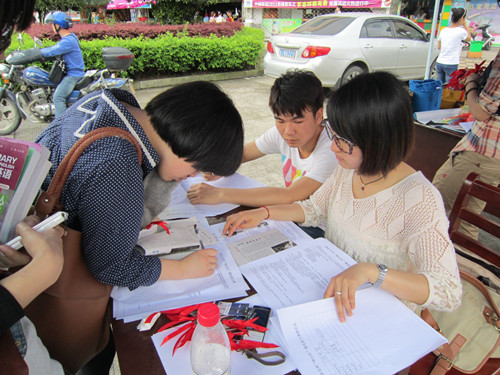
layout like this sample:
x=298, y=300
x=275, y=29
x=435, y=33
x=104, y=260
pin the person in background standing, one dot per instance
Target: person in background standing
x=197, y=17
x=69, y=48
x=450, y=44
x=220, y=18
x=212, y=17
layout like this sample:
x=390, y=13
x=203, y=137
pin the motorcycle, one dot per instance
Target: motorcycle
x=486, y=38
x=28, y=92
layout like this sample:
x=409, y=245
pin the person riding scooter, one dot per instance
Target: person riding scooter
x=69, y=48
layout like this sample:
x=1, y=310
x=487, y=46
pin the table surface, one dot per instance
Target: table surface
x=432, y=147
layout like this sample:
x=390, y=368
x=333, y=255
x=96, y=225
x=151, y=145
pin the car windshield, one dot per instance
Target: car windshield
x=324, y=26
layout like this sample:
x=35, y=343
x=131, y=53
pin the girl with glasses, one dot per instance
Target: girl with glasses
x=379, y=210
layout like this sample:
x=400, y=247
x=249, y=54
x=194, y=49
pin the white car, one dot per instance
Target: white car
x=337, y=47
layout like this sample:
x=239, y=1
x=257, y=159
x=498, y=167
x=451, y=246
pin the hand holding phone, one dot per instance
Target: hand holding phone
x=49, y=223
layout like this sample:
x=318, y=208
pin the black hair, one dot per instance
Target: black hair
x=18, y=13
x=296, y=91
x=457, y=14
x=374, y=111
x=200, y=124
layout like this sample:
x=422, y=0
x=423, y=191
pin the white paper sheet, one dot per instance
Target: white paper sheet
x=437, y=115
x=169, y=294
x=297, y=275
x=180, y=363
x=382, y=337
x=181, y=207
x=287, y=228
x=267, y=239
x=181, y=240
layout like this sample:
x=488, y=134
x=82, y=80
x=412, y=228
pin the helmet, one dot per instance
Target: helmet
x=59, y=18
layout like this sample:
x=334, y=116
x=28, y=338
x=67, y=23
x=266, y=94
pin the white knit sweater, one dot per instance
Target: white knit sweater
x=404, y=227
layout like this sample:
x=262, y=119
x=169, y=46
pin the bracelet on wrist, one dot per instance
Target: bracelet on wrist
x=469, y=90
x=268, y=213
x=477, y=84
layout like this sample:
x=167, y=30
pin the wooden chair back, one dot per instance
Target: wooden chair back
x=472, y=187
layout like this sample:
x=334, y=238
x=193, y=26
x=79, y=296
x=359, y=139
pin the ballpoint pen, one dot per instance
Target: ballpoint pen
x=197, y=231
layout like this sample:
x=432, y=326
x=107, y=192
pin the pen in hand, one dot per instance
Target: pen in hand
x=197, y=231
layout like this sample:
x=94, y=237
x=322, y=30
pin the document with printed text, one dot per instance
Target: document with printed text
x=299, y=274
x=382, y=337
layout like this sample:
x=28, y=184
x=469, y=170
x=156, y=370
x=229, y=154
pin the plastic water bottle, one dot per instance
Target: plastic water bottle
x=210, y=348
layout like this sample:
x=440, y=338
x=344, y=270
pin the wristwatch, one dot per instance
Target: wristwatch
x=381, y=275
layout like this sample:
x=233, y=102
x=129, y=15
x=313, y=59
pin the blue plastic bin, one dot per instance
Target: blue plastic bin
x=426, y=94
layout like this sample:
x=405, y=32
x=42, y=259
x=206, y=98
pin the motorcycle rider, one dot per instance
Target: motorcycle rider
x=69, y=48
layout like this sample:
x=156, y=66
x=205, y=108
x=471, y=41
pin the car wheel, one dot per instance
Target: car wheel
x=350, y=73
x=433, y=72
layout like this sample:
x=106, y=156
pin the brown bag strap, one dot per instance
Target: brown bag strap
x=448, y=354
x=493, y=308
x=49, y=199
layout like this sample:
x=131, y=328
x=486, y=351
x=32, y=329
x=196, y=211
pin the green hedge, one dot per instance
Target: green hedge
x=169, y=55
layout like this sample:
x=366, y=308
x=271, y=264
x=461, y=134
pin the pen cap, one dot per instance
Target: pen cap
x=208, y=314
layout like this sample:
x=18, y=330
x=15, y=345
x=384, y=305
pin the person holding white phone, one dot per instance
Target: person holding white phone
x=44, y=259
x=42, y=267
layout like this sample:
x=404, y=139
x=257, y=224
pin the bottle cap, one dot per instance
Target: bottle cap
x=208, y=314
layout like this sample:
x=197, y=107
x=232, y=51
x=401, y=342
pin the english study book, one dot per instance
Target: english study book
x=23, y=167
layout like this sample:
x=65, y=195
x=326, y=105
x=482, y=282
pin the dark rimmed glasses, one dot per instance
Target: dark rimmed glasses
x=342, y=144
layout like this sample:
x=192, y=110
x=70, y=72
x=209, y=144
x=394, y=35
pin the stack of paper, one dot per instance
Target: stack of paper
x=382, y=337
x=226, y=282
x=23, y=167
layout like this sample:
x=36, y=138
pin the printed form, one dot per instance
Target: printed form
x=382, y=337
x=299, y=274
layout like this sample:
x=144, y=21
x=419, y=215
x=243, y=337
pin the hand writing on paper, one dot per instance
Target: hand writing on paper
x=244, y=220
x=343, y=286
x=204, y=193
x=201, y=263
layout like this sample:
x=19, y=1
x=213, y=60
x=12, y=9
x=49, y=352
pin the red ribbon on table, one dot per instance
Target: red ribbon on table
x=160, y=223
x=238, y=327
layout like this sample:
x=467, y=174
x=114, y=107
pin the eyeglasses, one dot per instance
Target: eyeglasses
x=6, y=37
x=342, y=144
